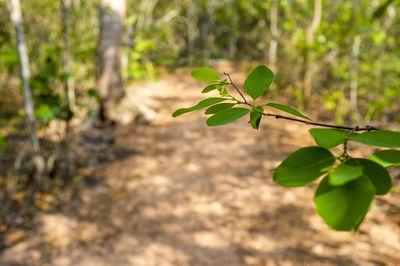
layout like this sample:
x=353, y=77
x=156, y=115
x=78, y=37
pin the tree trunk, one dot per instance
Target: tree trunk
x=273, y=45
x=310, y=35
x=109, y=82
x=233, y=31
x=209, y=29
x=354, y=74
x=37, y=160
x=192, y=31
x=16, y=18
x=68, y=91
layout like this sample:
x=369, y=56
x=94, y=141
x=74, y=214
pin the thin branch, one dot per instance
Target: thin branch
x=307, y=122
x=345, y=141
x=236, y=88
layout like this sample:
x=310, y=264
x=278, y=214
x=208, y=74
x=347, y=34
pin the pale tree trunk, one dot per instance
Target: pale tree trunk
x=69, y=94
x=192, y=30
x=37, y=161
x=208, y=31
x=145, y=18
x=233, y=31
x=109, y=82
x=273, y=45
x=354, y=73
x=16, y=18
x=310, y=35
x=117, y=104
x=65, y=25
x=391, y=16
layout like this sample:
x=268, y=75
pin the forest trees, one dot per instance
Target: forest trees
x=352, y=66
x=109, y=81
x=16, y=18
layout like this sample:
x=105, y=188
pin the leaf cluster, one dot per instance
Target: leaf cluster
x=348, y=186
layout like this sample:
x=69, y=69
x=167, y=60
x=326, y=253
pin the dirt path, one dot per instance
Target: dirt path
x=178, y=193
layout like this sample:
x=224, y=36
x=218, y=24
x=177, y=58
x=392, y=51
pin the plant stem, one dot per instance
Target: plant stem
x=236, y=88
x=307, y=122
x=357, y=129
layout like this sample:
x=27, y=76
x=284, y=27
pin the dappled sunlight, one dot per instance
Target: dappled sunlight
x=179, y=193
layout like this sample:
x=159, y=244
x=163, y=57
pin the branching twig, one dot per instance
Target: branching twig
x=236, y=88
x=355, y=129
x=307, y=122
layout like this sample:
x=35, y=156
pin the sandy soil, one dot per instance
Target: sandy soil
x=175, y=192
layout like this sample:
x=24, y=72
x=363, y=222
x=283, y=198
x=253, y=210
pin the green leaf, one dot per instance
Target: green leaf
x=227, y=116
x=344, y=207
x=255, y=119
x=3, y=143
x=210, y=88
x=258, y=81
x=205, y=74
x=386, y=158
x=46, y=112
x=202, y=104
x=303, y=166
x=377, y=174
x=95, y=94
x=287, y=109
x=218, y=107
x=380, y=138
x=345, y=173
x=328, y=138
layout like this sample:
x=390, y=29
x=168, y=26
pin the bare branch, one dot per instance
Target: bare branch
x=236, y=88
x=307, y=122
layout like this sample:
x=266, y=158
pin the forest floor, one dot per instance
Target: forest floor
x=174, y=192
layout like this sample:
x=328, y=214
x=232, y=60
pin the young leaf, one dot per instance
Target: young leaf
x=202, y=104
x=380, y=138
x=255, y=119
x=258, y=81
x=344, y=207
x=386, y=158
x=303, y=166
x=328, y=138
x=287, y=109
x=210, y=88
x=345, y=173
x=227, y=116
x=218, y=107
x=205, y=74
x=377, y=174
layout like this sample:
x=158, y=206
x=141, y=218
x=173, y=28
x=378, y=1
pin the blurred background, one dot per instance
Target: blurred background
x=93, y=169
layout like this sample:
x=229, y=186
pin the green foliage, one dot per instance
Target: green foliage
x=344, y=207
x=386, y=158
x=203, y=104
x=344, y=173
x=226, y=116
x=348, y=186
x=94, y=94
x=3, y=143
x=379, y=138
x=211, y=88
x=377, y=174
x=218, y=107
x=287, y=109
x=259, y=80
x=255, y=118
x=205, y=74
x=328, y=138
x=303, y=166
